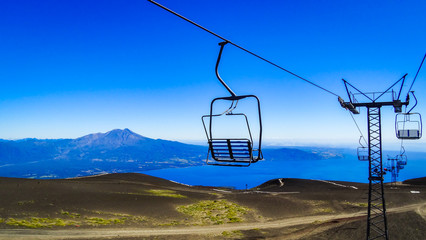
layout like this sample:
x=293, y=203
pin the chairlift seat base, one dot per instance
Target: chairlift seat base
x=408, y=134
x=236, y=150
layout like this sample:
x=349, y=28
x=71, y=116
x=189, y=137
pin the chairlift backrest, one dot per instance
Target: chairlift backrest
x=408, y=126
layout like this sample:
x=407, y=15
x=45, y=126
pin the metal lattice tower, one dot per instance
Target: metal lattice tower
x=377, y=223
x=377, y=226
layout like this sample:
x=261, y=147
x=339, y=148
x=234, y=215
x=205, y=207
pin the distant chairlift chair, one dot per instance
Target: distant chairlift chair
x=408, y=125
x=401, y=159
x=239, y=152
x=362, y=151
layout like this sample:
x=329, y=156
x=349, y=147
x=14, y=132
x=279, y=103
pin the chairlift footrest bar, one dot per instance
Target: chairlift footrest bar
x=228, y=165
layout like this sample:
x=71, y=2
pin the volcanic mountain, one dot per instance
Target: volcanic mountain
x=114, y=151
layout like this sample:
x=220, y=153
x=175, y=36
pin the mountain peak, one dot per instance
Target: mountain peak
x=113, y=138
x=122, y=132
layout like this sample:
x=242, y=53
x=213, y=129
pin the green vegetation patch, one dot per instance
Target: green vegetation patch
x=108, y=213
x=71, y=215
x=20, y=203
x=172, y=223
x=315, y=203
x=323, y=210
x=102, y=221
x=35, y=222
x=319, y=206
x=214, y=211
x=165, y=193
x=356, y=204
x=232, y=234
x=74, y=219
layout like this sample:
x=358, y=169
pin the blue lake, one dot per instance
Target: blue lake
x=344, y=169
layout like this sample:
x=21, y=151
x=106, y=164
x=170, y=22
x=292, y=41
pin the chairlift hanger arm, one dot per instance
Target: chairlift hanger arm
x=408, y=99
x=402, y=151
x=222, y=45
x=360, y=143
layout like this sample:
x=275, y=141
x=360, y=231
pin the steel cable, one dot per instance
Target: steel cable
x=360, y=132
x=418, y=70
x=250, y=52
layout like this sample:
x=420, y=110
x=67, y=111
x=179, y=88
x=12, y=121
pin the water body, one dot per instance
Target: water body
x=347, y=168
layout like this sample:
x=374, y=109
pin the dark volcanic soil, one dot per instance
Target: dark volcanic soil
x=137, y=201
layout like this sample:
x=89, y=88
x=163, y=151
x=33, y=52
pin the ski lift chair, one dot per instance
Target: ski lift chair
x=408, y=125
x=362, y=151
x=239, y=152
x=401, y=159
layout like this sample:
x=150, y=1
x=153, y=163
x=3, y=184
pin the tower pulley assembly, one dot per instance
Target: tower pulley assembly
x=231, y=151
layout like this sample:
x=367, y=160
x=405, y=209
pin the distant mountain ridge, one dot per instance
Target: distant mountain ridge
x=116, y=151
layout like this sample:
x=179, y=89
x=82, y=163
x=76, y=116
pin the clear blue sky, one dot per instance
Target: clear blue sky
x=70, y=68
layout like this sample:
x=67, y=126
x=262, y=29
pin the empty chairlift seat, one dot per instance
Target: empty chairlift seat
x=241, y=149
x=408, y=126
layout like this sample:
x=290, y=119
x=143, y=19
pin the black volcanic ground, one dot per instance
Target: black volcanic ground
x=134, y=197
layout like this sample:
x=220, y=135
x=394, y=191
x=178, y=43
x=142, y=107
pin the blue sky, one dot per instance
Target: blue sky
x=70, y=68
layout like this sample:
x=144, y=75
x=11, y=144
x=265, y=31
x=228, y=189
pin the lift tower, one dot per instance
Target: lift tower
x=376, y=222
